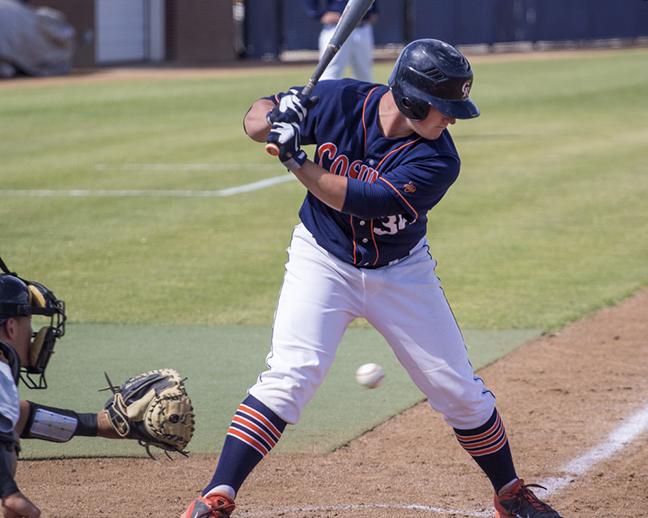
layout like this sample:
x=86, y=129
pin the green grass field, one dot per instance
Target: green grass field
x=548, y=221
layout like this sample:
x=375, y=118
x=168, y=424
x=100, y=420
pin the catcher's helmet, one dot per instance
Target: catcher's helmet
x=432, y=73
x=15, y=300
x=22, y=298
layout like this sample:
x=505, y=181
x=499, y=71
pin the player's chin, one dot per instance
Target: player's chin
x=432, y=133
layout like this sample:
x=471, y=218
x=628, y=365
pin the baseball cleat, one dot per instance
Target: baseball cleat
x=520, y=502
x=210, y=506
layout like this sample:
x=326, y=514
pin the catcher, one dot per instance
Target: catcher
x=152, y=408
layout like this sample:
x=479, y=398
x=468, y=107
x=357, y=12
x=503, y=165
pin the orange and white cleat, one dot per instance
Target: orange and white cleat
x=210, y=506
x=519, y=502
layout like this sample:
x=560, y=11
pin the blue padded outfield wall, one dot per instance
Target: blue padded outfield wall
x=273, y=26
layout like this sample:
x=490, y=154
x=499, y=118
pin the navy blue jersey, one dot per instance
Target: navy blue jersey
x=393, y=182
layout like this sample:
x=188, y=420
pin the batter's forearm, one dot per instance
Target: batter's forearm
x=326, y=187
x=255, y=123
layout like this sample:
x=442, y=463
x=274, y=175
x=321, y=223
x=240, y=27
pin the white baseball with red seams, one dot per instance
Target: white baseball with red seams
x=370, y=375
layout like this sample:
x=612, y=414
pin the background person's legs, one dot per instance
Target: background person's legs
x=336, y=68
x=361, y=53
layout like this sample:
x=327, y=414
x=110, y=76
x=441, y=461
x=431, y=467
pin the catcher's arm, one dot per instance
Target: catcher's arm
x=60, y=425
x=105, y=428
x=153, y=408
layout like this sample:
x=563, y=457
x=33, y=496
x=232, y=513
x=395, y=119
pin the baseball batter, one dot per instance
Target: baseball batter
x=383, y=159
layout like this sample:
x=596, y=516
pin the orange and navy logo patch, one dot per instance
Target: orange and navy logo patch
x=409, y=188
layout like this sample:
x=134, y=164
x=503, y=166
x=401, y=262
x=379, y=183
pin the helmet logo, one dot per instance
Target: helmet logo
x=465, y=89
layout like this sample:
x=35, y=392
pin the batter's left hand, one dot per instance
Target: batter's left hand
x=292, y=108
x=287, y=138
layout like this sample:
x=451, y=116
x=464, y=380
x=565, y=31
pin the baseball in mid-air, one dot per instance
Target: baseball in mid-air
x=370, y=375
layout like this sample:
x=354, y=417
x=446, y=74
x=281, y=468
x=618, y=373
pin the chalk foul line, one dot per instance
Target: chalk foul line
x=614, y=442
x=141, y=167
x=146, y=193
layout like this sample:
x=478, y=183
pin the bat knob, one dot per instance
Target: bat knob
x=272, y=149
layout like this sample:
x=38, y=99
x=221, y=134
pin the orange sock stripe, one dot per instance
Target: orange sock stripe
x=244, y=409
x=482, y=446
x=242, y=436
x=496, y=425
x=246, y=423
x=495, y=448
x=486, y=442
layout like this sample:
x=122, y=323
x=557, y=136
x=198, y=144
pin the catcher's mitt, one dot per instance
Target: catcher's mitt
x=153, y=408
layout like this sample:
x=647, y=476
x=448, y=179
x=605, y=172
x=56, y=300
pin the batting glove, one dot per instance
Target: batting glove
x=292, y=108
x=287, y=138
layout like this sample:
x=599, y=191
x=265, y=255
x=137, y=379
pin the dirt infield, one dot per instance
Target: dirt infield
x=561, y=396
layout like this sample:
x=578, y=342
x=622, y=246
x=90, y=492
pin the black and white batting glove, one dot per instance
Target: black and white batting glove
x=292, y=108
x=287, y=137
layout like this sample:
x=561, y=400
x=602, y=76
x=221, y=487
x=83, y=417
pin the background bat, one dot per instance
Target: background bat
x=350, y=18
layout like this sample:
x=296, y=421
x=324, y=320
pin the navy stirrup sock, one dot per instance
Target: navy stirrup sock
x=489, y=446
x=253, y=432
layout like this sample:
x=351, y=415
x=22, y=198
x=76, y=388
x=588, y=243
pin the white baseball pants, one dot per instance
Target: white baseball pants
x=320, y=297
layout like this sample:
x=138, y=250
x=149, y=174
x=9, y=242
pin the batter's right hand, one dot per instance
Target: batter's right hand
x=292, y=108
x=286, y=137
x=18, y=505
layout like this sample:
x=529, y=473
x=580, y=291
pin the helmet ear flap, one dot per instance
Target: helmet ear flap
x=38, y=345
x=40, y=352
x=413, y=108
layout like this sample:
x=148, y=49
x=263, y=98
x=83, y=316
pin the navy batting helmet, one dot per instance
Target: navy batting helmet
x=432, y=73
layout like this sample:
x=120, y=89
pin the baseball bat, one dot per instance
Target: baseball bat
x=354, y=11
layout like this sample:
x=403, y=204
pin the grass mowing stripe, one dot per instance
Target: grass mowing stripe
x=220, y=364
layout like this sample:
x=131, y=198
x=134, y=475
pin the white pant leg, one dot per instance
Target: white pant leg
x=406, y=304
x=319, y=298
x=361, y=53
x=335, y=69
